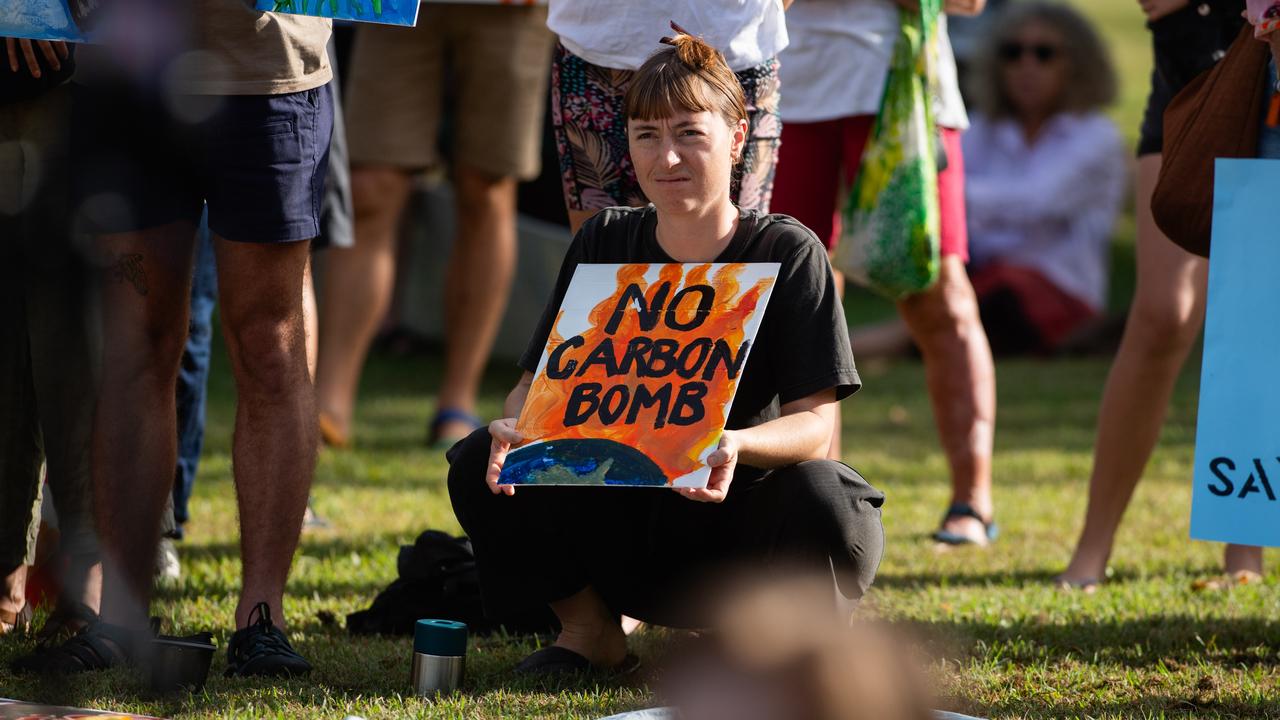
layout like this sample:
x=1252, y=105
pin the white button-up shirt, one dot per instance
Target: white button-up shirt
x=1050, y=205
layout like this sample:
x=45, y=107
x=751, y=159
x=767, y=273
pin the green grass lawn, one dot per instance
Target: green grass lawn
x=1002, y=642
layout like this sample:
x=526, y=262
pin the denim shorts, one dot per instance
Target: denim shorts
x=1185, y=44
x=145, y=159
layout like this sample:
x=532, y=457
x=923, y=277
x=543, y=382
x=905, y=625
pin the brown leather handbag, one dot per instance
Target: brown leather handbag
x=1217, y=115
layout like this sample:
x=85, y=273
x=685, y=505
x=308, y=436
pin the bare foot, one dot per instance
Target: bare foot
x=602, y=642
x=1088, y=585
x=1086, y=571
x=333, y=432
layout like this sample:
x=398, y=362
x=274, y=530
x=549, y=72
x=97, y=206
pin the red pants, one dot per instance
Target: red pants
x=816, y=158
x=1024, y=312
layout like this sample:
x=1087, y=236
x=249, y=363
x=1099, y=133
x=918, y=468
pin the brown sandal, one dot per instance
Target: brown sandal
x=66, y=621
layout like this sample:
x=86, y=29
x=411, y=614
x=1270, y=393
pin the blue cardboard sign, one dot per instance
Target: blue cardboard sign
x=73, y=20
x=389, y=12
x=1236, y=497
x=46, y=19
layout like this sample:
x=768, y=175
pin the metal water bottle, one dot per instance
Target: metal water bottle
x=439, y=657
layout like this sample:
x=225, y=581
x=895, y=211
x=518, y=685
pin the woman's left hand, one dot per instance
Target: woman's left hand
x=722, y=462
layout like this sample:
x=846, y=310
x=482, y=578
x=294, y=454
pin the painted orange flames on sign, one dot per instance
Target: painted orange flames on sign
x=656, y=368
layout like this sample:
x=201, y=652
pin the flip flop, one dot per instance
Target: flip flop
x=556, y=661
x=448, y=415
x=947, y=537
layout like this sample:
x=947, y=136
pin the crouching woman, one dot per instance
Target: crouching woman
x=773, y=503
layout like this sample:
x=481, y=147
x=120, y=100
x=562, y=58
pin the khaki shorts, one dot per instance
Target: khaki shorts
x=498, y=58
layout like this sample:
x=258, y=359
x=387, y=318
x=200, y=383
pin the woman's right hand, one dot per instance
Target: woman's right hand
x=1156, y=9
x=504, y=435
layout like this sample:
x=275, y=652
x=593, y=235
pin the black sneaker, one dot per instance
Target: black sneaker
x=261, y=649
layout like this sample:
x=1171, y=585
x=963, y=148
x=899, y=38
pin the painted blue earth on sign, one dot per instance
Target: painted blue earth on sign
x=591, y=461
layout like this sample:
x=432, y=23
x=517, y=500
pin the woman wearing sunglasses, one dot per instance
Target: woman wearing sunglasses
x=1044, y=177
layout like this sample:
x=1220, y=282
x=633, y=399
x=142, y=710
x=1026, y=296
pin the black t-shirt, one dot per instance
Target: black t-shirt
x=802, y=346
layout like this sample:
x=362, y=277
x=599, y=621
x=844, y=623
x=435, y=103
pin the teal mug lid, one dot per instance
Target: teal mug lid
x=440, y=637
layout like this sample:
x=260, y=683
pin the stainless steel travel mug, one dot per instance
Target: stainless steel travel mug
x=439, y=657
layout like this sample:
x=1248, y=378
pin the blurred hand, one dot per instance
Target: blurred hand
x=722, y=462
x=54, y=52
x=1156, y=9
x=504, y=435
x=963, y=7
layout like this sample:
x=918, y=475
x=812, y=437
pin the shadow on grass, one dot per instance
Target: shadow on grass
x=336, y=549
x=922, y=580
x=1170, y=642
x=1158, y=705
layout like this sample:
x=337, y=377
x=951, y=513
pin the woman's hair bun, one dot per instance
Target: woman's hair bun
x=693, y=51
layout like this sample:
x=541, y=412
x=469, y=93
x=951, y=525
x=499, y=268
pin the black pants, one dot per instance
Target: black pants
x=653, y=554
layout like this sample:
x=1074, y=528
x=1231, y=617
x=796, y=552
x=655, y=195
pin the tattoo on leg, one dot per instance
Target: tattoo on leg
x=128, y=268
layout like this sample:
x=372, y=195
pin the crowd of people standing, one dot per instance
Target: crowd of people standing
x=139, y=189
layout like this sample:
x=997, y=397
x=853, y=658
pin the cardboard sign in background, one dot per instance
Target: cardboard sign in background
x=387, y=12
x=74, y=20
x=1236, y=497
x=639, y=374
x=44, y=20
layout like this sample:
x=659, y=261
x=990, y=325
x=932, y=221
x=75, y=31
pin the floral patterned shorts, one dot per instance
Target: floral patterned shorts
x=590, y=123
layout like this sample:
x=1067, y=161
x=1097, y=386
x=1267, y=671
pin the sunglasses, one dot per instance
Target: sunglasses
x=1013, y=51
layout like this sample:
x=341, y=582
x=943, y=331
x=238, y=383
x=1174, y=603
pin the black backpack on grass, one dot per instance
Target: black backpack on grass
x=438, y=579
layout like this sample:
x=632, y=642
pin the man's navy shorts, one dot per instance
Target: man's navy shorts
x=143, y=160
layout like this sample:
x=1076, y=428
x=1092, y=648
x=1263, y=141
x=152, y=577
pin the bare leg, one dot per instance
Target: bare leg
x=310, y=321
x=960, y=373
x=1243, y=562
x=13, y=595
x=1167, y=312
x=887, y=339
x=588, y=629
x=357, y=289
x=144, y=291
x=477, y=283
x=273, y=450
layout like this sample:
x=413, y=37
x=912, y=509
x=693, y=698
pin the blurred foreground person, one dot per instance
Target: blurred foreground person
x=778, y=652
x=236, y=112
x=48, y=345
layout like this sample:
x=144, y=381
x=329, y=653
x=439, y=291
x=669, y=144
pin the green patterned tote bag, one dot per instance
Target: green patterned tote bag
x=890, y=238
